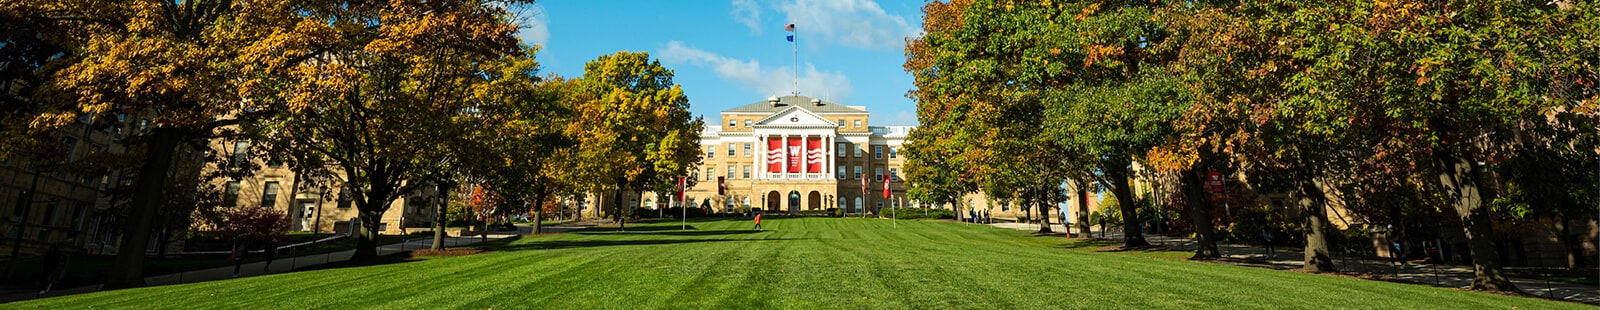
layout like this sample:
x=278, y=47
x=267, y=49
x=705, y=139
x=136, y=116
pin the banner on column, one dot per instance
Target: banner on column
x=774, y=155
x=794, y=155
x=814, y=155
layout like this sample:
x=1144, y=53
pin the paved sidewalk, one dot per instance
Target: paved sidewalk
x=286, y=264
x=1430, y=274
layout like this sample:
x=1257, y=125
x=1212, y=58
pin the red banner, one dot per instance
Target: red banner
x=794, y=158
x=814, y=155
x=774, y=155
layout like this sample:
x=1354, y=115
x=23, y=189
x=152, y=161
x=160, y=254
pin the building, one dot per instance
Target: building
x=797, y=154
x=66, y=199
x=310, y=205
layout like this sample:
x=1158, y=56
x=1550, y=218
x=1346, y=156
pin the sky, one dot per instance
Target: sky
x=729, y=53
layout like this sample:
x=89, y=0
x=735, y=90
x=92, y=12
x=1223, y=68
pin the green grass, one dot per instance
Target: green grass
x=799, y=263
x=85, y=270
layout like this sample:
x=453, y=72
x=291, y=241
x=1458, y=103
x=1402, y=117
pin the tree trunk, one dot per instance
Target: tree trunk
x=1313, y=205
x=1044, y=213
x=1194, y=194
x=1461, y=178
x=1570, y=243
x=1132, y=236
x=538, y=213
x=1083, y=207
x=621, y=225
x=371, y=213
x=438, y=216
x=147, y=197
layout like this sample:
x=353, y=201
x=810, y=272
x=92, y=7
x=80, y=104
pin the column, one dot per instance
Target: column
x=784, y=145
x=827, y=144
x=805, y=157
x=761, y=157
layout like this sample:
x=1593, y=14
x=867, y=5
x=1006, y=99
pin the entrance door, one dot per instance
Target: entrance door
x=308, y=216
x=772, y=202
x=794, y=202
x=814, y=201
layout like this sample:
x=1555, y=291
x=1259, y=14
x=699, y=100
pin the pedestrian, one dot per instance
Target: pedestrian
x=986, y=218
x=52, y=264
x=972, y=216
x=758, y=222
x=1267, y=236
x=238, y=258
x=272, y=252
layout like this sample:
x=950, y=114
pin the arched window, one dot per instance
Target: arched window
x=858, y=204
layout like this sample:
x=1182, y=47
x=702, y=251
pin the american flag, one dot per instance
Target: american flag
x=788, y=27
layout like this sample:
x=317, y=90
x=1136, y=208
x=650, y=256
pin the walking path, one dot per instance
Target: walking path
x=282, y=265
x=1430, y=274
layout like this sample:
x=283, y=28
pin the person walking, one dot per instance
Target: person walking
x=758, y=222
x=52, y=264
x=238, y=258
x=272, y=252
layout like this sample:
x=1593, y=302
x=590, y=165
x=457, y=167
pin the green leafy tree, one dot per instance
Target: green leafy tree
x=634, y=125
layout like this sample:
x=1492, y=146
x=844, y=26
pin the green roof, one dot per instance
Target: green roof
x=799, y=101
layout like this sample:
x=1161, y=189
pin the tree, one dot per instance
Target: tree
x=179, y=64
x=398, y=78
x=523, y=141
x=634, y=125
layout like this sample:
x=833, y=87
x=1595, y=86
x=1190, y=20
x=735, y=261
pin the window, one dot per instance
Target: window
x=877, y=151
x=841, y=124
x=894, y=173
x=844, y=203
x=733, y=123
x=710, y=173
x=269, y=195
x=345, y=197
x=274, y=160
x=747, y=123
x=858, y=204
x=730, y=172
x=241, y=150
x=72, y=147
x=857, y=150
x=858, y=172
x=49, y=215
x=892, y=152
x=858, y=123
x=877, y=173
x=711, y=151
x=231, y=197
x=747, y=152
x=731, y=150
x=747, y=171
x=841, y=173
x=840, y=149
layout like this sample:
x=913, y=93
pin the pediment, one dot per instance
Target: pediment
x=795, y=117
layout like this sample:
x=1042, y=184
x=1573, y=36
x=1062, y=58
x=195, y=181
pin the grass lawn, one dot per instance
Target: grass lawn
x=91, y=269
x=800, y=263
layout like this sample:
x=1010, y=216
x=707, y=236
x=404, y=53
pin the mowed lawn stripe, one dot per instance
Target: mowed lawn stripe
x=798, y=263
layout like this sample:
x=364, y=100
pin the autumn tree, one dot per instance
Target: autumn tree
x=523, y=142
x=634, y=125
x=396, y=79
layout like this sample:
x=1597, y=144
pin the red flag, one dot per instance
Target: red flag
x=886, y=186
x=681, y=184
x=863, y=186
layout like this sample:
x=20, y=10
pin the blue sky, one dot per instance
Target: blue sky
x=729, y=53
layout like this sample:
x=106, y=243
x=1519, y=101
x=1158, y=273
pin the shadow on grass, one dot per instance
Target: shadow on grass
x=396, y=258
x=629, y=229
x=567, y=244
x=1090, y=244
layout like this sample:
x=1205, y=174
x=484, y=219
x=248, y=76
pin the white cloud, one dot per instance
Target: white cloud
x=857, y=23
x=748, y=13
x=534, y=24
x=772, y=81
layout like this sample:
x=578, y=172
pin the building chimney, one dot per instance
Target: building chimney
x=816, y=102
x=773, y=100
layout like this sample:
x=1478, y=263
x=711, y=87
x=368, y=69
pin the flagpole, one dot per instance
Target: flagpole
x=795, y=47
